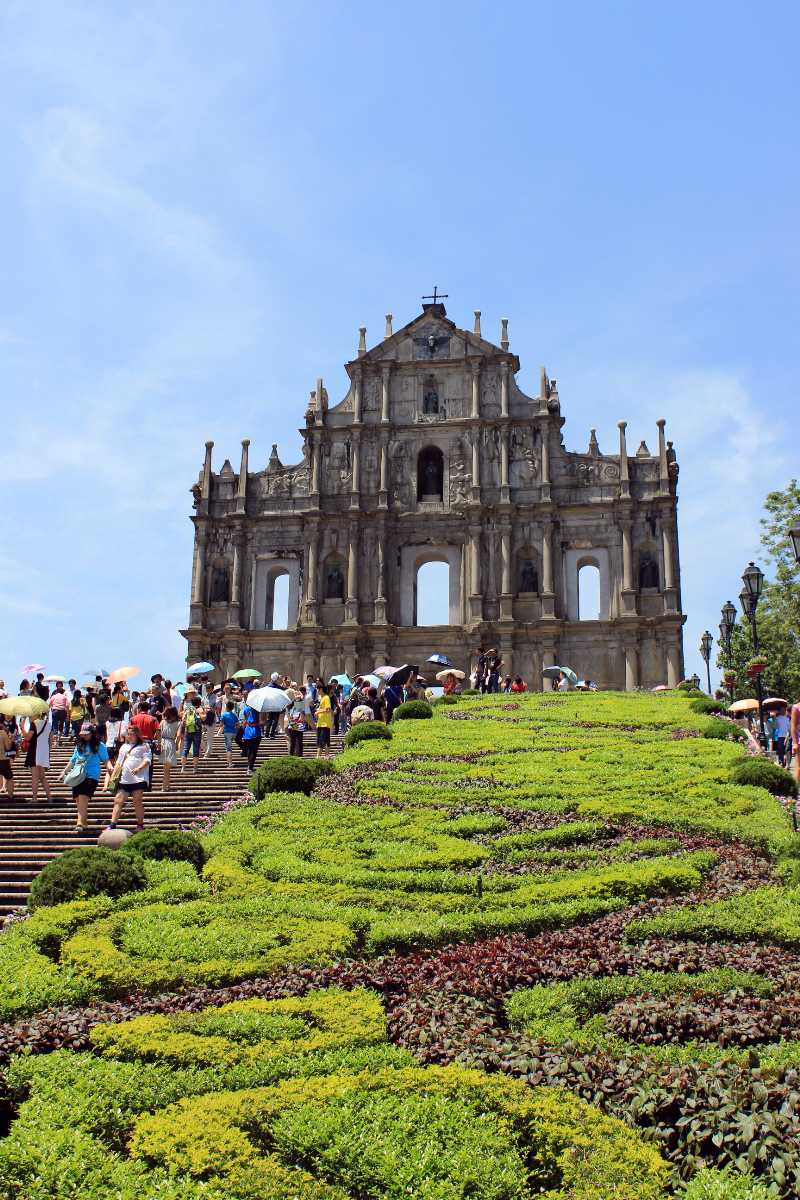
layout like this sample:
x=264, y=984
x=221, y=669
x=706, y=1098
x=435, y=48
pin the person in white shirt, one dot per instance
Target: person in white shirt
x=133, y=772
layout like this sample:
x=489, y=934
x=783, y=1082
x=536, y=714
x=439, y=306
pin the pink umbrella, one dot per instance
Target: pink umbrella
x=31, y=669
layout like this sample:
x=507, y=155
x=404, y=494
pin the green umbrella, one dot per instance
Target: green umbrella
x=247, y=673
x=24, y=706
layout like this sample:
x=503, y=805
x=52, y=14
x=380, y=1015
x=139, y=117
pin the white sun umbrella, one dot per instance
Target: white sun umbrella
x=450, y=671
x=385, y=672
x=268, y=699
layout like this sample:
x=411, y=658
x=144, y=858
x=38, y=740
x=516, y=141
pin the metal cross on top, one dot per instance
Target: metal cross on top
x=437, y=296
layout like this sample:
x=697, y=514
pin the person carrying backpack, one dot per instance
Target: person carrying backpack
x=191, y=733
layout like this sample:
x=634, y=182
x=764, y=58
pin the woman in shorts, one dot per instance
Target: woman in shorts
x=7, y=744
x=133, y=772
x=91, y=753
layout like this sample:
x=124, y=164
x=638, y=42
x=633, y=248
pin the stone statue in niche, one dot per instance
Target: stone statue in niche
x=528, y=580
x=334, y=584
x=460, y=474
x=339, y=462
x=401, y=483
x=430, y=397
x=371, y=397
x=490, y=403
x=648, y=572
x=369, y=466
x=523, y=468
x=220, y=591
x=491, y=440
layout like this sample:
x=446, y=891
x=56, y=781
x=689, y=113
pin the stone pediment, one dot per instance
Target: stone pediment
x=429, y=337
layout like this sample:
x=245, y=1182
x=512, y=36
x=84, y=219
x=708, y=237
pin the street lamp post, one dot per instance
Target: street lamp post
x=753, y=580
x=726, y=627
x=794, y=537
x=706, y=642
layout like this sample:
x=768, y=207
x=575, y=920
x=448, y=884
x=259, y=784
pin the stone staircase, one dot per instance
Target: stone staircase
x=31, y=835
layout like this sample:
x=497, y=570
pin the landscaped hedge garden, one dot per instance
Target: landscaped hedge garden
x=547, y=946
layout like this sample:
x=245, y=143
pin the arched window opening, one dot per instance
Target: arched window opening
x=334, y=582
x=648, y=572
x=430, y=474
x=528, y=576
x=280, y=602
x=588, y=592
x=431, y=594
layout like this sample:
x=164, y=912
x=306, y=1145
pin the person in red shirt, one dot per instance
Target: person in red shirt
x=518, y=685
x=148, y=726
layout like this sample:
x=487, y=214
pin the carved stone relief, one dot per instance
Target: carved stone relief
x=523, y=467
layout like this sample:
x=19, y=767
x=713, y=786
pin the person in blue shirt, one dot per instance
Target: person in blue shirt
x=230, y=723
x=251, y=736
x=92, y=755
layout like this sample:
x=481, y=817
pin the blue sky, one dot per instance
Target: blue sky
x=202, y=202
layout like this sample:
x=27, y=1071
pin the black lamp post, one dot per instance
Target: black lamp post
x=794, y=537
x=753, y=581
x=706, y=642
x=726, y=628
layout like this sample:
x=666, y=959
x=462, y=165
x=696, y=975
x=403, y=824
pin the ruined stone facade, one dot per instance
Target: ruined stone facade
x=435, y=454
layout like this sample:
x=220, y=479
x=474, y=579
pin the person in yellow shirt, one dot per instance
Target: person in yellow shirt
x=78, y=712
x=324, y=719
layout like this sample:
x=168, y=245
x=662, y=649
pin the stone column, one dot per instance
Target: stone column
x=476, y=460
x=385, y=374
x=475, y=596
x=545, y=480
x=355, y=487
x=548, y=599
x=628, y=593
x=504, y=389
x=383, y=487
x=380, y=597
x=624, y=482
x=357, y=397
x=506, y=594
x=673, y=666
x=351, y=603
x=505, y=495
x=663, y=468
x=476, y=388
x=241, y=491
x=670, y=590
x=199, y=581
x=205, y=487
x=235, y=611
x=631, y=667
x=315, y=468
x=311, y=579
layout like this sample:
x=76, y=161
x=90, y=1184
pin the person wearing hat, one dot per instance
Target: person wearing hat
x=88, y=757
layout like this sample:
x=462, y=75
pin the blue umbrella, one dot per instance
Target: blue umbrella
x=201, y=668
x=372, y=680
x=344, y=680
x=441, y=659
x=96, y=671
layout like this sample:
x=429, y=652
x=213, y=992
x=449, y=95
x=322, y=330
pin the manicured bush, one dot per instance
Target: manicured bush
x=707, y=705
x=722, y=730
x=368, y=731
x=413, y=710
x=288, y=774
x=174, y=845
x=760, y=772
x=725, y=1185
x=469, y=692
x=444, y=701
x=83, y=872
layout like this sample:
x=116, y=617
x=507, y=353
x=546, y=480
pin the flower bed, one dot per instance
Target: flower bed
x=577, y=897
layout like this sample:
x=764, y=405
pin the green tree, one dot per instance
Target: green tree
x=778, y=613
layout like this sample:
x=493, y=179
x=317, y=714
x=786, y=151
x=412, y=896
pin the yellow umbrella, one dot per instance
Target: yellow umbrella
x=123, y=674
x=23, y=706
x=740, y=706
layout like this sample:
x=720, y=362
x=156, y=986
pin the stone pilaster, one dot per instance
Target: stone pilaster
x=351, y=603
x=475, y=594
x=628, y=591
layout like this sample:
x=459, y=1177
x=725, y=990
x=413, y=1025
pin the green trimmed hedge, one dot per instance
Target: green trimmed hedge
x=760, y=772
x=367, y=731
x=288, y=774
x=83, y=872
x=413, y=710
x=172, y=845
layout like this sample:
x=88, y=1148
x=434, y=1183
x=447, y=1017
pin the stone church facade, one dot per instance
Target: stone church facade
x=436, y=455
